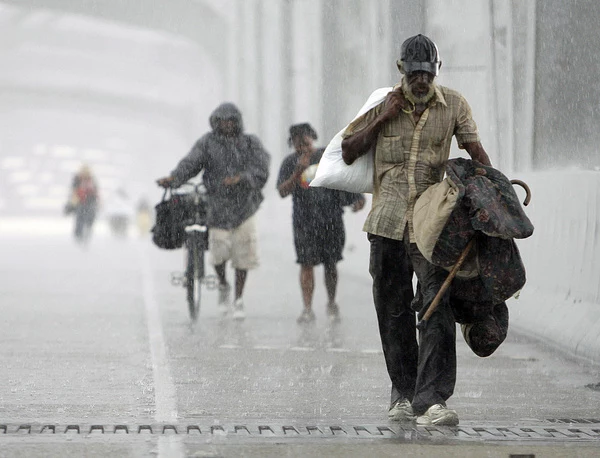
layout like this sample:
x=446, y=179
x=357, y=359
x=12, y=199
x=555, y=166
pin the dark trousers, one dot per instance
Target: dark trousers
x=423, y=372
x=84, y=219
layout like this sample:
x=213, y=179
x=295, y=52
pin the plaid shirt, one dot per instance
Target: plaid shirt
x=410, y=157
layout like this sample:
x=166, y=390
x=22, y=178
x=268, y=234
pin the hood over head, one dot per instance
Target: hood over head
x=226, y=110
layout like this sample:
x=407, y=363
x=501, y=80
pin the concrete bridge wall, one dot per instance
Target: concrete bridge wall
x=561, y=300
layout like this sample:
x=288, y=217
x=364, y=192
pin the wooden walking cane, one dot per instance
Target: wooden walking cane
x=438, y=297
x=446, y=284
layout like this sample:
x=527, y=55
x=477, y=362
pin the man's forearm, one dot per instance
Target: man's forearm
x=254, y=179
x=181, y=175
x=361, y=142
x=477, y=153
x=286, y=188
x=187, y=168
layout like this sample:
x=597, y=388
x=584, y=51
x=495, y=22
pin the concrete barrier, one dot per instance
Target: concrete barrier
x=560, y=303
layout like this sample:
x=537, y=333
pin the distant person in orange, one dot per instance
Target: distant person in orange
x=83, y=203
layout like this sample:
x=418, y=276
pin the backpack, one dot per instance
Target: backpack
x=168, y=232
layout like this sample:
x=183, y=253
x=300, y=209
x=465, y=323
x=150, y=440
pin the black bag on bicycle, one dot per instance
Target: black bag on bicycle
x=168, y=231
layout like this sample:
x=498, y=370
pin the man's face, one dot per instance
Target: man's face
x=420, y=83
x=227, y=126
x=303, y=144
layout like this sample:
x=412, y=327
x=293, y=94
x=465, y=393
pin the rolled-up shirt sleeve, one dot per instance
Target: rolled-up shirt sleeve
x=465, y=129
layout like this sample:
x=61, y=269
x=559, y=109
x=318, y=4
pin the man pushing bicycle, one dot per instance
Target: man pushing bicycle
x=235, y=168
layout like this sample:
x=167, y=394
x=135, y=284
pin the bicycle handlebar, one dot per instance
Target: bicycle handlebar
x=167, y=183
x=197, y=187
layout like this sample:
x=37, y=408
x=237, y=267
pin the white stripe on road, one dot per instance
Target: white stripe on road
x=264, y=347
x=302, y=349
x=366, y=351
x=372, y=352
x=165, y=395
x=338, y=350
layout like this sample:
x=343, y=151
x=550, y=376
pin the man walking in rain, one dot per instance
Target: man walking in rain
x=236, y=168
x=411, y=133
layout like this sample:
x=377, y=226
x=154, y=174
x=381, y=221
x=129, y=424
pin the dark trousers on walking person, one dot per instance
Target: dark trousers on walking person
x=84, y=220
x=422, y=372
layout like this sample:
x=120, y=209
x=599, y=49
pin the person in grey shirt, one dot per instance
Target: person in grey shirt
x=235, y=168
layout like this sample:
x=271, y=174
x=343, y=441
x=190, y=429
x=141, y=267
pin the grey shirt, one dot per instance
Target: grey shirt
x=218, y=157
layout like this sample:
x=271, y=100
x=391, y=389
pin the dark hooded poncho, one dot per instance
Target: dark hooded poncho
x=221, y=156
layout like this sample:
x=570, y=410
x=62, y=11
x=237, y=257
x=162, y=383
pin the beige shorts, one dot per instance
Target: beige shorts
x=238, y=245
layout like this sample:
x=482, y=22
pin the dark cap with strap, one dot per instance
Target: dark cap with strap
x=419, y=53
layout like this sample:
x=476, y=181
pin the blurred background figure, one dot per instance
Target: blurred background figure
x=119, y=211
x=319, y=233
x=235, y=168
x=143, y=217
x=83, y=203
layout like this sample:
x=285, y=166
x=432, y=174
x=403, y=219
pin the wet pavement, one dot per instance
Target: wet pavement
x=99, y=358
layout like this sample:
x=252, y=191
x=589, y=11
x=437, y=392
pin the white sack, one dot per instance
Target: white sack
x=334, y=173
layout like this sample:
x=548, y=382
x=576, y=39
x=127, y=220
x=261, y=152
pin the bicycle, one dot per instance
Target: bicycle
x=196, y=244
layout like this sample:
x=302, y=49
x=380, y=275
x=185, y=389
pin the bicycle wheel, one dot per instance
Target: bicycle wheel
x=194, y=274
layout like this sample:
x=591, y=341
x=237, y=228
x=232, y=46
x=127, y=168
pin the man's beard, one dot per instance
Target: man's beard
x=408, y=93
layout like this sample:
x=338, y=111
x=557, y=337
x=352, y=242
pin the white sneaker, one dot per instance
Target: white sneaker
x=307, y=316
x=238, y=309
x=401, y=411
x=223, y=309
x=438, y=415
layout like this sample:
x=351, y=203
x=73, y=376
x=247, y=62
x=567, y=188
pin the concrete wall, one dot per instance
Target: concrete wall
x=560, y=302
x=461, y=30
x=567, y=89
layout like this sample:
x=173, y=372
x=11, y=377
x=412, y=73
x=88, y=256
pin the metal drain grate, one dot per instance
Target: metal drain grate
x=570, y=421
x=594, y=386
x=509, y=433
